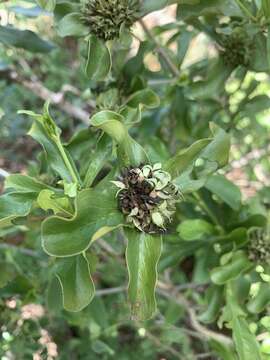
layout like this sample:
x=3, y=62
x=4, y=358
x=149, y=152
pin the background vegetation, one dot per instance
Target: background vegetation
x=201, y=69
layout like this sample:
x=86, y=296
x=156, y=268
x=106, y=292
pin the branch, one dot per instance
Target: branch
x=109, y=291
x=206, y=333
x=3, y=173
x=171, y=66
x=55, y=98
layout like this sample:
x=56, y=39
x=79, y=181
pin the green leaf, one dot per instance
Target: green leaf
x=14, y=205
x=96, y=214
x=71, y=25
x=76, y=282
x=238, y=264
x=245, y=342
x=190, y=230
x=24, y=39
x=261, y=300
x=7, y=273
x=129, y=151
x=99, y=60
x=225, y=190
x=184, y=158
x=45, y=131
x=217, y=152
x=102, y=155
x=24, y=183
x=148, y=6
x=48, y=200
x=48, y=5
x=215, y=299
x=142, y=255
x=146, y=97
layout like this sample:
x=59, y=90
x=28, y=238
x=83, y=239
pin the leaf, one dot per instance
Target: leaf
x=99, y=60
x=261, y=300
x=101, y=157
x=71, y=25
x=24, y=183
x=146, y=97
x=190, y=230
x=238, y=264
x=76, y=282
x=48, y=5
x=48, y=200
x=45, y=131
x=24, y=39
x=14, y=205
x=148, y=6
x=215, y=299
x=218, y=150
x=7, y=273
x=96, y=214
x=184, y=158
x=225, y=190
x=142, y=255
x=129, y=151
x=245, y=342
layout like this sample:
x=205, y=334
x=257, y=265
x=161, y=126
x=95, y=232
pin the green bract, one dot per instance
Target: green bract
x=147, y=197
x=105, y=18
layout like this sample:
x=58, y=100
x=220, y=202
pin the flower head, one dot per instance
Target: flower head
x=105, y=18
x=237, y=48
x=147, y=197
x=259, y=246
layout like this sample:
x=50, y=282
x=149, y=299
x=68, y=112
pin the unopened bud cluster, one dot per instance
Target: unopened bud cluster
x=147, y=197
x=105, y=18
x=259, y=246
x=237, y=48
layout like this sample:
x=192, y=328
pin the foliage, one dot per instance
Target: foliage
x=132, y=182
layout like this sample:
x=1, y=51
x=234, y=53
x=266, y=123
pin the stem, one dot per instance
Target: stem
x=75, y=178
x=204, y=206
x=246, y=10
x=171, y=66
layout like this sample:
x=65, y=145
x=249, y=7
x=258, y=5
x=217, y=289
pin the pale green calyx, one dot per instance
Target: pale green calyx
x=147, y=197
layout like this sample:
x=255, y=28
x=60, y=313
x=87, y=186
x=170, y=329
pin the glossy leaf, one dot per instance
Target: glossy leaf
x=225, y=190
x=231, y=270
x=96, y=214
x=48, y=200
x=261, y=300
x=71, y=25
x=14, y=205
x=99, y=60
x=142, y=255
x=184, y=158
x=130, y=152
x=245, y=342
x=24, y=183
x=146, y=97
x=190, y=230
x=76, y=282
x=24, y=39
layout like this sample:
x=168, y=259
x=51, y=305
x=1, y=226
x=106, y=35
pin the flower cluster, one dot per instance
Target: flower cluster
x=237, y=48
x=259, y=246
x=105, y=18
x=147, y=197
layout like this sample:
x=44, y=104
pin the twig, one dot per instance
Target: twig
x=57, y=99
x=3, y=173
x=116, y=290
x=207, y=334
x=173, y=69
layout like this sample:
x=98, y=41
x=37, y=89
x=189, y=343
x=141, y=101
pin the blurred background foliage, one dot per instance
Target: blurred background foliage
x=183, y=52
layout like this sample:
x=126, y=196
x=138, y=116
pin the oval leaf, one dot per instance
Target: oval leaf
x=142, y=255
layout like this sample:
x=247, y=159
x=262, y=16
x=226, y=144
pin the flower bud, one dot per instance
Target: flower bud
x=259, y=246
x=237, y=48
x=105, y=18
x=147, y=197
